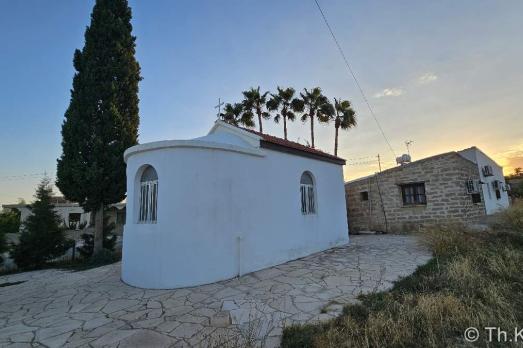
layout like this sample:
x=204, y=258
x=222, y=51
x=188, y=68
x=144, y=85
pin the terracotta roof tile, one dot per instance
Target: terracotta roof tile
x=296, y=146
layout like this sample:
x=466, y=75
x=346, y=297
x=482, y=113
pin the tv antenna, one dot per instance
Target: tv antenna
x=408, y=143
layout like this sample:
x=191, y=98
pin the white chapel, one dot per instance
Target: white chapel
x=225, y=204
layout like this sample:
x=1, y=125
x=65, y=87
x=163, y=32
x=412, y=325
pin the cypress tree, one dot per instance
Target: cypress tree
x=42, y=238
x=102, y=118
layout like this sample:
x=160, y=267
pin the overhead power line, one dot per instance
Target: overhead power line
x=345, y=59
x=25, y=176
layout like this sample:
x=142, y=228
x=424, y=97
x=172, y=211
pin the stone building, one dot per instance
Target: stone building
x=438, y=189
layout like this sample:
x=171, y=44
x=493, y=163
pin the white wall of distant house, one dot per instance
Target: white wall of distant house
x=492, y=203
x=222, y=213
x=62, y=211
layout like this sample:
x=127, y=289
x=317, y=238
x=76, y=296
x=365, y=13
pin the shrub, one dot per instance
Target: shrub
x=3, y=246
x=510, y=219
x=104, y=257
x=86, y=250
x=517, y=190
x=42, y=239
x=450, y=239
x=9, y=222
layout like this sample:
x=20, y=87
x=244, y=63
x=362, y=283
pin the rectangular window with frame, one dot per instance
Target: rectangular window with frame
x=476, y=198
x=497, y=188
x=413, y=194
x=472, y=186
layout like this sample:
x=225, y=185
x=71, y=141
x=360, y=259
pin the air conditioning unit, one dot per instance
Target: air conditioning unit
x=487, y=171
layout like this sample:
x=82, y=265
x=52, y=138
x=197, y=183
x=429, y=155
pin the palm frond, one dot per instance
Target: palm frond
x=291, y=116
x=349, y=119
x=273, y=103
x=297, y=105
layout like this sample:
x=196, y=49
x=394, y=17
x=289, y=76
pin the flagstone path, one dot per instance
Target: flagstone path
x=93, y=308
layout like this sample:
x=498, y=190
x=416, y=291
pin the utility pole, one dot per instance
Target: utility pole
x=379, y=162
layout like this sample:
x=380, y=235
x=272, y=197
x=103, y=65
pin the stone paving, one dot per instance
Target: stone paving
x=93, y=308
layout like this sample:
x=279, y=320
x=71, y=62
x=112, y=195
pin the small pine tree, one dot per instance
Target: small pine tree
x=42, y=238
x=109, y=240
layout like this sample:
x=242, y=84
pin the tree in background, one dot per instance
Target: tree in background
x=517, y=189
x=254, y=103
x=9, y=221
x=286, y=105
x=518, y=171
x=316, y=106
x=109, y=240
x=42, y=238
x=233, y=114
x=102, y=119
x=344, y=118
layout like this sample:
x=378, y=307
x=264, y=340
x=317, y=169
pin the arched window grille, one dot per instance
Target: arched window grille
x=308, y=201
x=148, y=196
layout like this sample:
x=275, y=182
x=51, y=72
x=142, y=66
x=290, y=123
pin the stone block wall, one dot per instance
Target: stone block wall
x=445, y=179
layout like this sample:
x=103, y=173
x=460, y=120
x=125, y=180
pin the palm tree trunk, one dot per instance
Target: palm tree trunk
x=336, y=142
x=260, y=123
x=285, y=127
x=98, y=230
x=312, y=129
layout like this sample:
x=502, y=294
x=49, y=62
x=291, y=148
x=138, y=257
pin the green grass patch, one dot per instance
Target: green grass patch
x=474, y=279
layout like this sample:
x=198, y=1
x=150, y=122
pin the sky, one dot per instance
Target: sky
x=445, y=75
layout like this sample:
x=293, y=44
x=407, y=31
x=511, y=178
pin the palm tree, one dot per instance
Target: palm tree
x=286, y=104
x=317, y=106
x=254, y=103
x=233, y=114
x=344, y=117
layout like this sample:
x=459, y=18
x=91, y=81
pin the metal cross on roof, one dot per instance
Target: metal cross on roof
x=219, y=107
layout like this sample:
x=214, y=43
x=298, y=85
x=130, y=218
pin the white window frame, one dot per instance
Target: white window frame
x=148, y=203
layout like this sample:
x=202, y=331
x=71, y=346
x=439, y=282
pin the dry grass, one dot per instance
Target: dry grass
x=510, y=219
x=474, y=279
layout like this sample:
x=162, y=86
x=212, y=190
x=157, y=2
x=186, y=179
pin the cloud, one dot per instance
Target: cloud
x=427, y=78
x=511, y=159
x=389, y=92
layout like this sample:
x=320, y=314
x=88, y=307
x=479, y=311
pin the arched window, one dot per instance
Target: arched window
x=148, y=196
x=308, y=201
